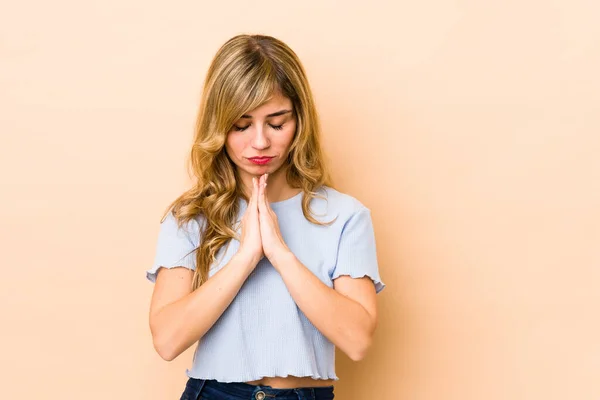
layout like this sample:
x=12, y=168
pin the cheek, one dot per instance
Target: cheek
x=235, y=145
x=285, y=140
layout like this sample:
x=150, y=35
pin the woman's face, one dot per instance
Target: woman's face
x=267, y=132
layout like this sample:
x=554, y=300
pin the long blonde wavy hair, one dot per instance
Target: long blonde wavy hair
x=243, y=75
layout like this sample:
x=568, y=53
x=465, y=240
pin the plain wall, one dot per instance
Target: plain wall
x=469, y=128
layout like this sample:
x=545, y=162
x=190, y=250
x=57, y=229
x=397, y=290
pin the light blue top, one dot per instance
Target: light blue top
x=263, y=333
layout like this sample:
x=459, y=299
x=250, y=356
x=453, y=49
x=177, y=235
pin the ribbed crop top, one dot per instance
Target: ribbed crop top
x=263, y=333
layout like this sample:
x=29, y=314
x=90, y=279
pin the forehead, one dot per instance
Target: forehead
x=276, y=103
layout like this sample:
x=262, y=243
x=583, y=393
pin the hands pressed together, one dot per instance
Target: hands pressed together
x=260, y=228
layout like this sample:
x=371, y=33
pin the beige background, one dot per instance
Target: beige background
x=470, y=128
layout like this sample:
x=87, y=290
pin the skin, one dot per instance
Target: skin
x=261, y=138
x=346, y=313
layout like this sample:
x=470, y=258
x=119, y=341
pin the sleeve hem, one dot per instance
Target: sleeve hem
x=379, y=285
x=153, y=272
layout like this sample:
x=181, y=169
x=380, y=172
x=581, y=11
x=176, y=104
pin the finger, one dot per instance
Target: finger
x=267, y=204
x=266, y=201
x=254, y=192
x=261, y=194
x=251, y=199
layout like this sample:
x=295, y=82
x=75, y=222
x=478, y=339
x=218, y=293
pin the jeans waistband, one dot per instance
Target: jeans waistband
x=247, y=391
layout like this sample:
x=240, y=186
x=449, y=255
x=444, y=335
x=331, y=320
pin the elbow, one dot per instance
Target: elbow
x=360, y=350
x=168, y=344
x=167, y=356
x=356, y=356
x=163, y=342
x=363, y=343
x=166, y=351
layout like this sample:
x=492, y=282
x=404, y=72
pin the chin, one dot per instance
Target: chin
x=256, y=170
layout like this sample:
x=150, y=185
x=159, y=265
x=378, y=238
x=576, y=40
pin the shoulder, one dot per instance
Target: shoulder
x=337, y=203
x=189, y=227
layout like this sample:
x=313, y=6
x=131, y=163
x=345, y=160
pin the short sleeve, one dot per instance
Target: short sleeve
x=175, y=246
x=357, y=255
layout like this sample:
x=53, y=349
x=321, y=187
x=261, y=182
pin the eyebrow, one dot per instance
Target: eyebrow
x=275, y=114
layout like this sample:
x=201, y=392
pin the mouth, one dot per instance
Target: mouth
x=260, y=160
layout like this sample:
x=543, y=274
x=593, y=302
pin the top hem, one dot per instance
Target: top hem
x=256, y=377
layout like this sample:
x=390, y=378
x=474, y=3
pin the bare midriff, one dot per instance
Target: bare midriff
x=291, y=382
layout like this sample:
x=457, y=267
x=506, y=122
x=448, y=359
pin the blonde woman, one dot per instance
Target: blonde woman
x=262, y=262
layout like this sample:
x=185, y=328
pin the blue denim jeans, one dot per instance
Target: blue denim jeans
x=204, y=389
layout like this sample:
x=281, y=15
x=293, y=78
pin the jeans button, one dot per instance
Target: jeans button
x=260, y=395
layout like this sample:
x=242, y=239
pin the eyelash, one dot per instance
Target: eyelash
x=241, y=129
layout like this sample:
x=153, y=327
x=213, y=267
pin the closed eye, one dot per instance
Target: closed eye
x=243, y=128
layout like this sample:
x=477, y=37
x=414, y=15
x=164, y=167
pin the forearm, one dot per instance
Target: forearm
x=345, y=322
x=182, y=323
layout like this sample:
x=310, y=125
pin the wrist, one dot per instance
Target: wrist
x=281, y=258
x=247, y=258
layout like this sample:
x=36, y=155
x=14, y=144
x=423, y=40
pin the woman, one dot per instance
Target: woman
x=262, y=262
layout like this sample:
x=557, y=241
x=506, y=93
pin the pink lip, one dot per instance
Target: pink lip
x=260, y=160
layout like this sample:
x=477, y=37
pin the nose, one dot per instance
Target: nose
x=260, y=140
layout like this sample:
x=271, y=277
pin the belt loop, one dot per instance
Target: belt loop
x=299, y=394
x=202, y=382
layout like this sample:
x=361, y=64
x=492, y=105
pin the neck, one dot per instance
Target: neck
x=278, y=188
